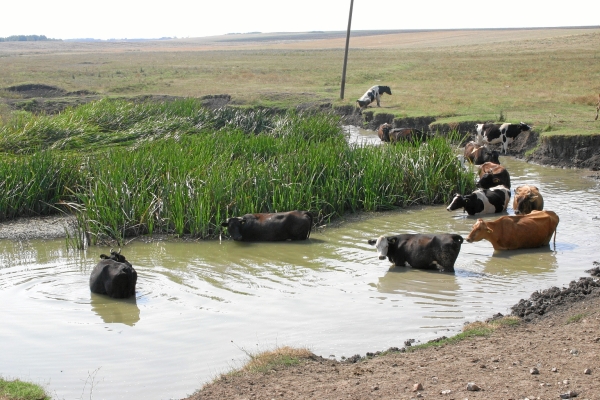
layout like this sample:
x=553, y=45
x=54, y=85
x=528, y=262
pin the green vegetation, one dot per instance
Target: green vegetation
x=575, y=318
x=25, y=38
x=19, y=390
x=174, y=167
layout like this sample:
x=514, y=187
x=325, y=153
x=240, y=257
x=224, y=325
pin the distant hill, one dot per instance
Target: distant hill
x=26, y=38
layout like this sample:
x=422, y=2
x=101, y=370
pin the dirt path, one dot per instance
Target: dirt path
x=562, y=345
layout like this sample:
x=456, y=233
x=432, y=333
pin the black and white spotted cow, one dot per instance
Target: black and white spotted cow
x=482, y=130
x=373, y=94
x=482, y=201
x=504, y=134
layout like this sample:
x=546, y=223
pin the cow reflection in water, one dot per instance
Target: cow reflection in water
x=125, y=311
x=427, y=251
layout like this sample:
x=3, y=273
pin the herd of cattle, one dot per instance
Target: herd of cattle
x=530, y=227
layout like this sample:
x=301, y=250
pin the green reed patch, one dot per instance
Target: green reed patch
x=182, y=169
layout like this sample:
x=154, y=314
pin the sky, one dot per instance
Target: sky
x=135, y=19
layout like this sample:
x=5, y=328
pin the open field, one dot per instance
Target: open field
x=546, y=77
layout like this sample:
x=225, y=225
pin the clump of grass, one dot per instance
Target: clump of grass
x=575, y=318
x=475, y=329
x=19, y=390
x=280, y=357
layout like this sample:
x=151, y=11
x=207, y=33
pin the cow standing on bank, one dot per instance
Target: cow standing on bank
x=425, y=251
x=504, y=134
x=371, y=95
x=270, y=227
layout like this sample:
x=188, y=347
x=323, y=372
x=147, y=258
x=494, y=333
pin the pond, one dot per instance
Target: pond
x=201, y=306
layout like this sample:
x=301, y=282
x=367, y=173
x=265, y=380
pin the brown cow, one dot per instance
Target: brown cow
x=389, y=134
x=517, y=231
x=491, y=174
x=479, y=154
x=527, y=199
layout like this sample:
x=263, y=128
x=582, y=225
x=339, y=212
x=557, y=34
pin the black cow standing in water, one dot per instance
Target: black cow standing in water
x=270, y=227
x=426, y=251
x=113, y=276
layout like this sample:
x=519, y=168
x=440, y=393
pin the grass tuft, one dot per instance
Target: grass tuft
x=19, y=390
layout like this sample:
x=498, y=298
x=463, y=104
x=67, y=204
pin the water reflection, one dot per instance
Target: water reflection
x=531, y=261
x=115, y=311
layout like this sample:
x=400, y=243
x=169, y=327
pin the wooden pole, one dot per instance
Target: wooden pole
x=346, y=51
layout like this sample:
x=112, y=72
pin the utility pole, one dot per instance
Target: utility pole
x=346, y=52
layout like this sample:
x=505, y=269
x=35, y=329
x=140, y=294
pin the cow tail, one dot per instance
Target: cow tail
x=311, y=223
x=555, y=229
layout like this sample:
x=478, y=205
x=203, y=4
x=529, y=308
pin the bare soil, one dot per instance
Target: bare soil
x=553, y=353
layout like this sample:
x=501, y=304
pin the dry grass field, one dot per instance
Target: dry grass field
x=546, y=77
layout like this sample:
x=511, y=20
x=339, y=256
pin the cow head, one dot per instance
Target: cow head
x=382, y=244
x=384, y=132
x=385, y=89
x=457, y=202
x=525, y=204
x=492, y=156
x=524, y=127
x=488, y=181
x=115, y=256
x=234, y=226
x=479, y=231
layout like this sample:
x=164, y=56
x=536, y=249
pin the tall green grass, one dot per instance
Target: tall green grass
x=208, y=166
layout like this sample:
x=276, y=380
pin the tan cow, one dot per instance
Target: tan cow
x=517, y=231
x=527, y=199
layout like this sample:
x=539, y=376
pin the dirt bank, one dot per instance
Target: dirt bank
x=551, y=354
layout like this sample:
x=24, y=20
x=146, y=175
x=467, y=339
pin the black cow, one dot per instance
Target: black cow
x=425, y=251
x=270, y=227
x=504, y=134
x=491, y=175
x=113, y=276
x=371, y=95
x=482, y=201
x=479, y=154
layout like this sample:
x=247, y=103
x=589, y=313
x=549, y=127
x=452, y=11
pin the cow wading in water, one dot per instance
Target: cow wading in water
x=479, y=154
x=270, y=227
x=491, y=175
x=391, y=135
x=527, y=199
x=482, y=201
x=113, y=276
x=424, y=251
x=513, y=232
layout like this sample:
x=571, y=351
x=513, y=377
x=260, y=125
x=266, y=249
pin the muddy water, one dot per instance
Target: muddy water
x=201, y=306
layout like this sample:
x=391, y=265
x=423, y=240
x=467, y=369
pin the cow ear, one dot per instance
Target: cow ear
x=496, y=180
x=225, y=224
x=371, y=241
x=488, y=230
x=393, y=240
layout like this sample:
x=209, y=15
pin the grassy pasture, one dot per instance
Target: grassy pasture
x=546, y=77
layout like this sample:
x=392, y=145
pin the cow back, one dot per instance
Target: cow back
x=527, y=199
x=426, y=251
x=113, y=278
x=291, y=225
x=523, y=231
x=491, y=174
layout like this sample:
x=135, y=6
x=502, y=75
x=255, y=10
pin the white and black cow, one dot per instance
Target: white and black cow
x=424, y=251
x=504, y=134
x=373, y=94
x=482, y=201
x=270, y=227
x=482, y=130
x=113, y=276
